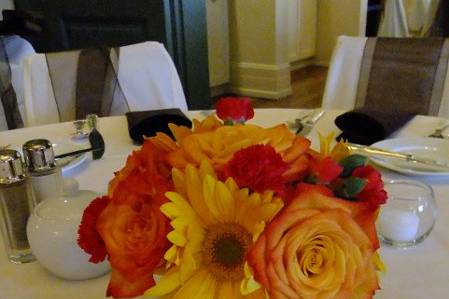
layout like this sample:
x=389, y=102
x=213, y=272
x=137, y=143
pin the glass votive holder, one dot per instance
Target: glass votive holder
x=409, y=215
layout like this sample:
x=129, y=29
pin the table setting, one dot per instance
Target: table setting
x=412, y=228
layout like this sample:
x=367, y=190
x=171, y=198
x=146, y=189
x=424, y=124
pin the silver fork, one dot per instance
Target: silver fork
x=306, y=124
x=438, y=133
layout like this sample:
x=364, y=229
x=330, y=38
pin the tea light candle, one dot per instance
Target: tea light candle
x=398, y=225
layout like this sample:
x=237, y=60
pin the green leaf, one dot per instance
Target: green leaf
x=311, y=179
x=228, y=122
x=352, y=162
x=351, y=187
x=354, y=186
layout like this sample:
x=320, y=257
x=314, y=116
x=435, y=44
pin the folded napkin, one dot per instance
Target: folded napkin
x=148, y=123
x=399, y=78
x=364, y=126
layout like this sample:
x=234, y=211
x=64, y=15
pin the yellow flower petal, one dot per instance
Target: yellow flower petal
x=325, y=143
x=195, y=194
x=172, y=255
x=207, y=169
x=340, y=151
x=176, y=238
x=226, y=291
x=200, y=286
x=169, y=282
x=179, y=182
x=380, y=266
x=249, y=284
x=224, y=200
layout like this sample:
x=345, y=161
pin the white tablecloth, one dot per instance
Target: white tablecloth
x=417, y=273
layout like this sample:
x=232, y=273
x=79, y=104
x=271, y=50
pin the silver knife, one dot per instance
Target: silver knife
x=305, y=126
x=374, y=151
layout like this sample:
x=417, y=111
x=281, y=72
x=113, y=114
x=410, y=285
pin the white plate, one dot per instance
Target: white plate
x=436, y=149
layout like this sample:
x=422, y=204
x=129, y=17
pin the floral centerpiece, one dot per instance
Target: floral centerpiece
x=228, y=210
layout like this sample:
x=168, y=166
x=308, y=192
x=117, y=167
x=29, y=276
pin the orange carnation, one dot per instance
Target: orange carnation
x=318, y=247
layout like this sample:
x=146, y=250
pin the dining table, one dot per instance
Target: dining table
x=417, y=272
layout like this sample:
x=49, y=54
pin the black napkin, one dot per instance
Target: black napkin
x=148, y=123
x=365, y=126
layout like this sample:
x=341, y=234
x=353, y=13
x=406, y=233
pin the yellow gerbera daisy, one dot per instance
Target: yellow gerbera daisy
x=214, y=224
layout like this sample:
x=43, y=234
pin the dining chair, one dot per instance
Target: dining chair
x=13, y=51
x=65, y=86
x=404, y=18
x=394, y=20
x=396, y=72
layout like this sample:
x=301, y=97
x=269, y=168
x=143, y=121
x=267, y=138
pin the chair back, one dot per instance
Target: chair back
x=65, y=86
x=13, y=51
x=407, y=73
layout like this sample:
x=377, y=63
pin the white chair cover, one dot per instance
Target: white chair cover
x=429, y=18
x=394, y=20
x=146, y=73
x=17, y=50
x=404, y=18
x=343, y=76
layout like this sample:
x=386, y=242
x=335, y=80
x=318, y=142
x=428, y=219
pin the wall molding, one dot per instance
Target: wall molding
x=258, y=93
x=270, y=81
x=299, y=64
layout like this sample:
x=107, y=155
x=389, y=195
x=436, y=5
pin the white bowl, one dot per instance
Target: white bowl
x=53, y=232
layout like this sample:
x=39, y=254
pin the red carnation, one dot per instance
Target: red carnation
x=234, y=110
x=374, y=190
x=88, y=237
x=257, y=167
x=326, y=170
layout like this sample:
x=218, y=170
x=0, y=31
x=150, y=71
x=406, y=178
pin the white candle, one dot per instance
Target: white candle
x=398, y=225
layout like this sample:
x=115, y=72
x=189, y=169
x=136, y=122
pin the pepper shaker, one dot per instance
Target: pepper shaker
x=16, y=204
x=45, y=175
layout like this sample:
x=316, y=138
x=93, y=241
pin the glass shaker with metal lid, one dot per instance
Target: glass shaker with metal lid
x=45, y=175
x=16, y=204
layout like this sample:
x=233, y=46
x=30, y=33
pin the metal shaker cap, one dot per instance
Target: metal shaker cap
x=11, y=167
x=39, y=156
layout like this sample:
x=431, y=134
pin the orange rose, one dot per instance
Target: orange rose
x=134, y=232
x=147, y=158
x=318, y=247
x=211, y=141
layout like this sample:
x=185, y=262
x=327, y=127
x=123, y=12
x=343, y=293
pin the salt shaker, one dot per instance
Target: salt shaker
x=16, y=204
x=45, y=175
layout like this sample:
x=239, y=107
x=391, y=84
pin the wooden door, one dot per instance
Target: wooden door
x=179, y=24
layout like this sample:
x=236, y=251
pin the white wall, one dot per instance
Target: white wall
x=260, y=65
x=335, y=18
x=293, y=29
x=218, y=41
x=308, y=17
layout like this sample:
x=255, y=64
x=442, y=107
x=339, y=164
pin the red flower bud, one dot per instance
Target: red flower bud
x=374, y=190
x=235, y=110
